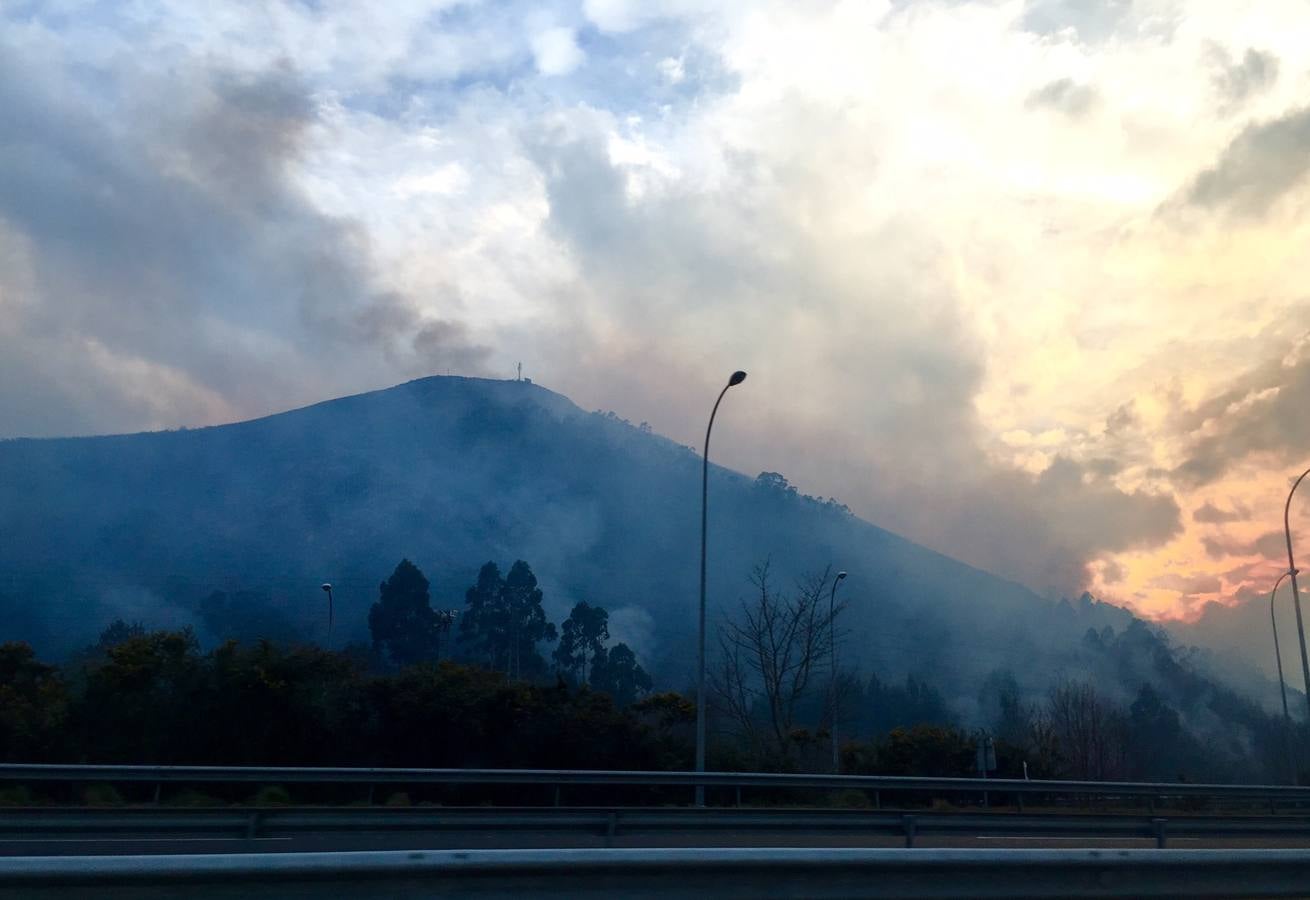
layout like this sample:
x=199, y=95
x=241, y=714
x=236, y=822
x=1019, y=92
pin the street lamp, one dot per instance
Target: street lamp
x=1282, y=685
x=327, y=589
x=832, y=682
x=1296, y=593
x=737, y=378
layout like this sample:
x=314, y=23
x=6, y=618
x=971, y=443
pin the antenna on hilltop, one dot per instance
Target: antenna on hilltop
x=520, y=377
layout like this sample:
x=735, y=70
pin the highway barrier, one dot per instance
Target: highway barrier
x=669, y=874
x=728, y=785
x=602, y=827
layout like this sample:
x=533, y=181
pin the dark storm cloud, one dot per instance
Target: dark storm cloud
x=1263, y=163
x=162, y=265
x=1063, y=95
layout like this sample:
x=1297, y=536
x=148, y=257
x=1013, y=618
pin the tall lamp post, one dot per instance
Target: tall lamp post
x=737, y=378
x=1282, y=685
x=832, y=681
x=1296, y=593
x=327, y=589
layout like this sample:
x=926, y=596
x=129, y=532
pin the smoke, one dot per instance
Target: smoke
x=164, y=266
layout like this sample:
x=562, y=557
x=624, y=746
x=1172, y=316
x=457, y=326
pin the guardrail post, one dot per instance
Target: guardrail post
x=1150, y=804
x=1019, y=797
x=911, y=825
x=611, y=828
x=877, y=799
x=738, y=795
x=370, y=794
x=557, y=795
x=1160, y=825
x=159, y=786
x=252, y=825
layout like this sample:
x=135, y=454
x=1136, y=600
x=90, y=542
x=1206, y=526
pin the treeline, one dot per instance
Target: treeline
x=494, y=683
x=142, y=697
x=1134, y=711
x=502, y=628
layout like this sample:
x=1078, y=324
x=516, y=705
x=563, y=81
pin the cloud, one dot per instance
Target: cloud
x=1269, y=545
x=280, y=205
x=556, y=51
x=1063, y=95
x=913, y=445
x=1236, y=82
x=1260, y=411
x=1262, y=164
x=1112, y=572
x=1090, y=22
x=167, y=244
x=1208, y=513
x=1197, y=583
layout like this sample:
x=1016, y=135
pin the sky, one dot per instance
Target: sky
x=1021, y=280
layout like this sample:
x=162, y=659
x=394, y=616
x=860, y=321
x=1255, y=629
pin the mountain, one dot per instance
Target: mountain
x=231, y=529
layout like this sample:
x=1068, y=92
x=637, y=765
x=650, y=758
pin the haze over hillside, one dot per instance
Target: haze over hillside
x=451, y=472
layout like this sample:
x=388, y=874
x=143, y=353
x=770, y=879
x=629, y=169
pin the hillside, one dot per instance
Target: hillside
x=451, y=472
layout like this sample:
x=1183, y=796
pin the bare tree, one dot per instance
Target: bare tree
x=1090, y=732
x=768, y=655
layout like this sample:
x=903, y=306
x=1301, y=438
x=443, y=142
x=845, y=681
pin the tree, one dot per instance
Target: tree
x=144, y=701
x=118, y=632
x=617, y=673
x=505, y=622
x=482, y=628
x=774, y=483
x=916, y=702
x=1162, y=748
x=1090, y=732
x=768, y=657
x=33, y=705
x=582, y=640
x=402, y=622
x=527, y=621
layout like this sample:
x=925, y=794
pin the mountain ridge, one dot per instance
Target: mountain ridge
x=452, y=471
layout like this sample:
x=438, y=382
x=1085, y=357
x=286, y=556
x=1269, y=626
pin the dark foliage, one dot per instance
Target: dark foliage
x=402, y=622
x=156, y=698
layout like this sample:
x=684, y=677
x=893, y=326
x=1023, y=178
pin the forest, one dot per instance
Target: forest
x=495, y=684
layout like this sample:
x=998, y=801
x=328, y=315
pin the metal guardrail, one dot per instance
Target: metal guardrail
x=669, y=874
x=605, y=825
x=197, y=775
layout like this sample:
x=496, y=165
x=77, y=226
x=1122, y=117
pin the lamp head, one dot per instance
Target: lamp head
x=327, y=587
x=841, y=575
x=737, y=378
